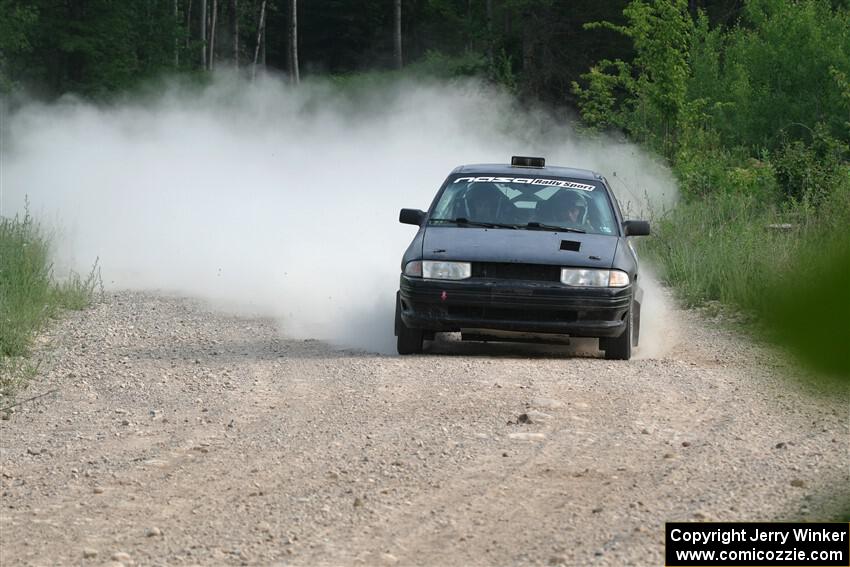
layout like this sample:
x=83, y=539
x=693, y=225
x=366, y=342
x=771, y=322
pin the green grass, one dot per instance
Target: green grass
x=30, y=296
x=790, y=285
x=721, y=248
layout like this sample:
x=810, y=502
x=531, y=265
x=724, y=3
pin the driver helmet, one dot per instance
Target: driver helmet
x=572, y=200
x=482, y=201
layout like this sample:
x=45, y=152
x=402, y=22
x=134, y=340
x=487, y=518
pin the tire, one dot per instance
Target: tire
x=620, y=348
x=409, y=341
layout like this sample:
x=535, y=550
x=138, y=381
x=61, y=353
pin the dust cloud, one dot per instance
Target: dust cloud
x=278, y=201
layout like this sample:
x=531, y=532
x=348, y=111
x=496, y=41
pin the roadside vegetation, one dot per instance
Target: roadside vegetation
x=754, y=119
x=30, y=296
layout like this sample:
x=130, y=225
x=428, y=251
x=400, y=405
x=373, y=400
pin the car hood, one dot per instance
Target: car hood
x=519, y=246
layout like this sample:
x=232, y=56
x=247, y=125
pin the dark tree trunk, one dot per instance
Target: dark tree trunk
x=469, y=25
x=234, y=30
x=203, y=34
x=490, y=54
x=294, y=73
x=261, y=29
x=176, y=30
x=213, y=23
x=188, y=24
x=399, y=60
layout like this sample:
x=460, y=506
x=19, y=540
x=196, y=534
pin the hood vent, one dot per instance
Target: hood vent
x=571, y=245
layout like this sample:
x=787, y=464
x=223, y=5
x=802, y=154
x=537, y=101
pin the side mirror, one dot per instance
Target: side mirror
x=636, y=228
x=411, y=216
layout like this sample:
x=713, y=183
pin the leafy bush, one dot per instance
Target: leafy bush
x=810, y=172
x=776, y=82
x=774, y=72
x=652, y=87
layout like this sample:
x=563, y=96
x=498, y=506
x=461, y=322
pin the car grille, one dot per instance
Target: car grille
x=496, y=313
x=492, y=313
x=509, y=271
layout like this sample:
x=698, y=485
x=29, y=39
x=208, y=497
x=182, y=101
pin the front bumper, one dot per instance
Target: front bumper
x=515, y=305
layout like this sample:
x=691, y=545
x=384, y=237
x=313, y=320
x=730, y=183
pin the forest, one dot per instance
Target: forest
x=747, y=101
x=97, y=47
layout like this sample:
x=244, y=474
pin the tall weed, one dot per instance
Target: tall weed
x=30, y=296
x=784, y=263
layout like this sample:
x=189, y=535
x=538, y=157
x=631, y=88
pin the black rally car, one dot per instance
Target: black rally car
x=521, y=252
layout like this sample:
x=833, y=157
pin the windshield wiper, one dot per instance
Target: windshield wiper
x=467, y=222
x=542, y=226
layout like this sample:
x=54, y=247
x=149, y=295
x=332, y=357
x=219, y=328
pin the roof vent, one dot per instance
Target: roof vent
x=525, y=161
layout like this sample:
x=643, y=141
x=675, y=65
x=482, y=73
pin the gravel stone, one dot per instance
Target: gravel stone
x=546, y=403
x=527, y=436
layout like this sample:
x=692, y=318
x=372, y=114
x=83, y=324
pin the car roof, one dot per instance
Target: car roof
x=507, y=169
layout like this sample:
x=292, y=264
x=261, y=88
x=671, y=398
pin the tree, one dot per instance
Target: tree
x=203, y=34
x=102, y=46
x=16, y=27
x=294, y=73
x=261, y=28
x=176, y=39
x=234, y=30
x=655, y=83
x=213, y=18
x=397, y=55
x=489, y=19
x=188, y=24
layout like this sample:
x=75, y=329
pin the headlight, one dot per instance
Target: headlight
x=594, y=278
x=446, y=270
x=438, y=270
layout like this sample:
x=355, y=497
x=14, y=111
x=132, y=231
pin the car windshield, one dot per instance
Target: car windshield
x=526, y=203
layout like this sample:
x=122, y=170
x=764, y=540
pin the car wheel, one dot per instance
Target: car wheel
x=620, y=348
x=409, y=341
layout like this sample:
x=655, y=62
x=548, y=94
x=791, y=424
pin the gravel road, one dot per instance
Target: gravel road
x=180, y=436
